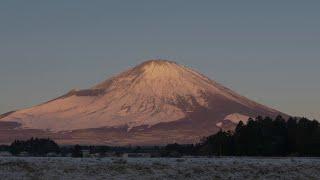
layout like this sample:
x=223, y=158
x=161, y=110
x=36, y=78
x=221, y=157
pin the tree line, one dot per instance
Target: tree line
x=259, y=137
x=34, y=147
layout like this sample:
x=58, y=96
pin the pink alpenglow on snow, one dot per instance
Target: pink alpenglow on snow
x=156, y=102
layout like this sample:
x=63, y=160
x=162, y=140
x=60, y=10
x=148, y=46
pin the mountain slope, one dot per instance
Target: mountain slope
x=156, y=97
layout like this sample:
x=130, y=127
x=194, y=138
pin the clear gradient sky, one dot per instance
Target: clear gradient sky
x=268, y=51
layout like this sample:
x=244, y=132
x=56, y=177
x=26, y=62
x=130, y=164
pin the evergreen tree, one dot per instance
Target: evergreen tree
x=34, y=146
x=76, y=151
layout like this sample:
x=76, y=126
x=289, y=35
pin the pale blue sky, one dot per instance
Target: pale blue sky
x=268, y=51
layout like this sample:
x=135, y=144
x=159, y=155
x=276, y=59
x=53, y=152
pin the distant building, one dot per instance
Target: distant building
x=68, y=155
x=52, y=154
x=107, y=154
x=5, y=154
x=136, y=155
x=94, y=155
x=85, y=153
x=24, y=154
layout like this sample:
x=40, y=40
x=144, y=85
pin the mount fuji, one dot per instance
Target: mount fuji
x=156, y=102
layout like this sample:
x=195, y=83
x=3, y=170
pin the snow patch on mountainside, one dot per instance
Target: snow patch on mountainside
x=237, y=117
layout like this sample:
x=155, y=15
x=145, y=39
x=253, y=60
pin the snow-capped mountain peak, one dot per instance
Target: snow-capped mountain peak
x=156, y=93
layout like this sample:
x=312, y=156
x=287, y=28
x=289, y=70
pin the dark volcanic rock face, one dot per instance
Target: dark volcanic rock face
x=157, y=102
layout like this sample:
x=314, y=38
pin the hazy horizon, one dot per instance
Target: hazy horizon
x=267, y=51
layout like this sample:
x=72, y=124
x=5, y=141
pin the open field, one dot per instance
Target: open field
x=159, y=168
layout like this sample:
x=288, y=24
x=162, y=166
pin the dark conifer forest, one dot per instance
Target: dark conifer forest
x=260, y=137
x=34, y=146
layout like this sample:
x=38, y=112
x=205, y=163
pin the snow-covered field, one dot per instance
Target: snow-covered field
x=159, y=168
